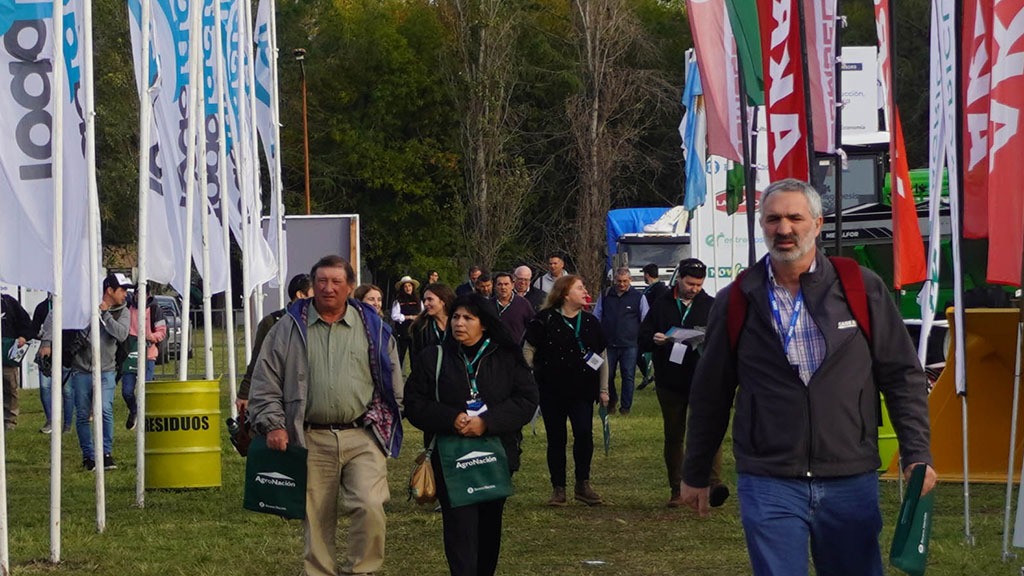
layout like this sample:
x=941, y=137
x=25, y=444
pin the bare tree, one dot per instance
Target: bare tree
x=483, y=79
x=607, y=117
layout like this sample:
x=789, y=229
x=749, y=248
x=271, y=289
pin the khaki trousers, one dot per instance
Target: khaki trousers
x=349, y=462
x=12, y=376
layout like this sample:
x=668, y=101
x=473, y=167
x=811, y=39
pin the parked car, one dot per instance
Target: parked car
x=169, y=349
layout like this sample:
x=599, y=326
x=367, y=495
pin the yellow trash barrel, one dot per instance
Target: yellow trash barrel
x=888, y=446
x=183, y=434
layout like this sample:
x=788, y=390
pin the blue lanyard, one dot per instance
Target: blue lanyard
x=576, y=329
x=798, y=307
x=471, y=367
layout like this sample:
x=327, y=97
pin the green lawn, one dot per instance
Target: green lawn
x=199, y=532
x=207, y=532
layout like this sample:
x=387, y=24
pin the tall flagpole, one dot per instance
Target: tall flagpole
x=204, y=220
x=840, y=24
x=195, y=50
x=749, y=165
x=809, y=111
x=145, y=137
x=278, y=189
x=56, y=311
x=222, y=166
x=244, y=188
x=94, y=266
x=254, y=149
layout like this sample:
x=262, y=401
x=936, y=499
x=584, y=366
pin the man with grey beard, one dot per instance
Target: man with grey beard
x=805, y=377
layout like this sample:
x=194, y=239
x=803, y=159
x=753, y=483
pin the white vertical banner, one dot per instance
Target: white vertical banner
x=165, y=251
x=719, y=239
x=267, y=125
x=26, y=156
x=239, y=125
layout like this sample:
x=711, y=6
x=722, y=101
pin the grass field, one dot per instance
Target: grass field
x=197, y=532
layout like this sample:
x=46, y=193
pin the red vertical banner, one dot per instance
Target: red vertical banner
x=716, y=58
x=821, y=70
x=1006, y=144
x=784, y=90
x=909, y=264
x=977, y=73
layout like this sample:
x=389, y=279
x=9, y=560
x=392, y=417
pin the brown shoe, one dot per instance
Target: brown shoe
x=557, y=497
x=676, y=500
x=586, y=494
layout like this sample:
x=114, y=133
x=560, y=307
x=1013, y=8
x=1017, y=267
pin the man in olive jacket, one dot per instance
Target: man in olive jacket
x=805, y=379
x=326, y=379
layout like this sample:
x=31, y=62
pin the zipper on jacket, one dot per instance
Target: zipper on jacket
x=810, y=430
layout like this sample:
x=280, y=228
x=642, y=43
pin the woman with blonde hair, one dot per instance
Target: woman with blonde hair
x=370, y=294
x=565, y=346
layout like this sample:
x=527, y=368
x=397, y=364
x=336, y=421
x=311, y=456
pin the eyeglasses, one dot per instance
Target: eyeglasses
x=694, y=267
x=518, y=279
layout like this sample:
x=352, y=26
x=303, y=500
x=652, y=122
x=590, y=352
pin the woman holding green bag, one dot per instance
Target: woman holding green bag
x=471, y=396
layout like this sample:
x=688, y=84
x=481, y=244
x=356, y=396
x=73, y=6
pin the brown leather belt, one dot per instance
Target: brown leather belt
x=357, y=423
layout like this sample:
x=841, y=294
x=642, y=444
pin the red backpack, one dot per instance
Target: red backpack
x=850, y=278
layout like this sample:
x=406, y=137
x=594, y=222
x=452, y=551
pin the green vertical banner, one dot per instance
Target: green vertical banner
x=735, y=187
x=745, y=28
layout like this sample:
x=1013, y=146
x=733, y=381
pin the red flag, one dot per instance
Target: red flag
x=1006, y=144
x=977, y=71
x=821, y=70
x=909, y=265
x=784, y=90
x=717, y=61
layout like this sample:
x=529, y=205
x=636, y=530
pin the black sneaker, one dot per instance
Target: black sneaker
x=89, y=464
x=108, y=462
x=130, y=423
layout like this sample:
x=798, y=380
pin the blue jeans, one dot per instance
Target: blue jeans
x=840, y=516
x=130, y=379
x=625, y=359
x=81, y=385
x=46, y=396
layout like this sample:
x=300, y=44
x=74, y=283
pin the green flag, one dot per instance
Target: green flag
x=734, y=188
x=743, y=17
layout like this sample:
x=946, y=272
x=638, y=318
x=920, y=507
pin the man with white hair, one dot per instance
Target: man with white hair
x=521, y=281
x=802, y=345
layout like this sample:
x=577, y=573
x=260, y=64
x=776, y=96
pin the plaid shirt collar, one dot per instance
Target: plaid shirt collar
x=807, y=350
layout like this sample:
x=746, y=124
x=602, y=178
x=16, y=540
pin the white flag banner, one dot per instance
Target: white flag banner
x=243, y=165
x=26, y=156
x=942, y=155
x=266, y=90
x=165, y=250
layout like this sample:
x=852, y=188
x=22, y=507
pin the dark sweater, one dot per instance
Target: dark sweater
x=504, y=383
x=558, y=363
x=665, y=314
x=516, y=316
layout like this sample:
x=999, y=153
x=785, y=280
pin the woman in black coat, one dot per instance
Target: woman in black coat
x=565, y=346
x=430, y=328
x=479, y=354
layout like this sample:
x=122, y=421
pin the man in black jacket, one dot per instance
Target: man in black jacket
x=16, y=329
x=805, y=377
x=685, y=306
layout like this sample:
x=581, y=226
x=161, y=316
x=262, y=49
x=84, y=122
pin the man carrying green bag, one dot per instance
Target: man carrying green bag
x=909, y=550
